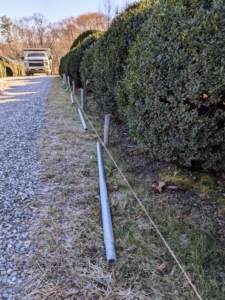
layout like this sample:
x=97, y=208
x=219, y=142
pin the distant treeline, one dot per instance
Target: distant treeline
x=36, y=31
x=160, y=69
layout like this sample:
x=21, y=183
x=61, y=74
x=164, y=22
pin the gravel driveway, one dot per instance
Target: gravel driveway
x=22, y=113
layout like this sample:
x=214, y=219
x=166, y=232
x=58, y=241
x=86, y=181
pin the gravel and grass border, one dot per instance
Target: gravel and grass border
x=70, y=256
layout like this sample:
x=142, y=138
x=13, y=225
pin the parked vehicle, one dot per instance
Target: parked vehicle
x=37, y=60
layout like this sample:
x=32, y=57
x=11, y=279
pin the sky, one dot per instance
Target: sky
x=53, y=10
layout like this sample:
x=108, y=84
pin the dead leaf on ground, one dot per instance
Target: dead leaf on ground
x=158, y=188
x=37, y=297
x=113, y=203
x=172, y=187
x=137, y=151
x=206, y=167
x=163, y=268
x=94, y=136
x=204, y=196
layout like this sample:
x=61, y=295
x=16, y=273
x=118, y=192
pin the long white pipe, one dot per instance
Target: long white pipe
x=82, y=119
x=106, y=216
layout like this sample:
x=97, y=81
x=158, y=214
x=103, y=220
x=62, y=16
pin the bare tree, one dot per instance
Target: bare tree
x=36, y=31
x=41, y=26
x=108, y=8
x=68, y=31
x=92, y=21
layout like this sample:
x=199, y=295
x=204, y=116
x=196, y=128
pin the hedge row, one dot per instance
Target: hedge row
x=82, y=37
x=9, y=67
x=175, y=84
x=160, y=69
x=70, y=63
x=112, y=50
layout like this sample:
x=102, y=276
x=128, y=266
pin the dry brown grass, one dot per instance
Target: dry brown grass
x=69, y=260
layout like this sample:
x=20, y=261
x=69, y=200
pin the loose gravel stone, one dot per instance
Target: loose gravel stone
x=22, y=112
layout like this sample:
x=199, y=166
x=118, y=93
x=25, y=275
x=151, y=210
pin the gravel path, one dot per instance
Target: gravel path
x=22, y=112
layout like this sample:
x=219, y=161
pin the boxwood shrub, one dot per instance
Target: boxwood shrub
x=76, y=56
x=70, y=63
x=2, y=69
x=111, y=53
x=82, y=37
x=9, y=67
x=86, y=66
x=173, y=95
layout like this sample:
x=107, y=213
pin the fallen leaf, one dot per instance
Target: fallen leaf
x=94, y=136
x=163, y=268
x=172, y=187
x=95, y=212
x=37, y=297
x=137, y=151
x=184, y=216
x=206, y=167
x=204, y=196
x=158, y=188
x=113, y=203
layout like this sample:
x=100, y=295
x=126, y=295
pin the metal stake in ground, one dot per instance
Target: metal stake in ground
x=82, y=96
x=106, y=130
x=71, y=97
x=74, y=91
x=106, y=216
x=64, y=78
x=67, y=83
x=82, y=119
x=68, y=80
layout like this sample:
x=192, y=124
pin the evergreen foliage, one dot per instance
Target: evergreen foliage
x=9, y=67
x=160, y=69
x=82, y=37
x=173, y=95
x=86, y=68
x=70, y=63
x=111, y=53
x=5, y=28
x=76, y=56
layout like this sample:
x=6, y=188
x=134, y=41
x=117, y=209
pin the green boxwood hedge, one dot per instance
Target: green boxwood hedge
x=76, y=56
x=111, y=52
x=82, y=37
x=9, y=67
x=160, y=68
x=71, y=62
x=2, y=69
x=173, y=95
x=86, y=67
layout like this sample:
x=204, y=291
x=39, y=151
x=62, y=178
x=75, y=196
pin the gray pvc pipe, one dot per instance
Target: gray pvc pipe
x=82, y=96
x=82, y=119
x=68, y=80
x=106, y=216
x=71, y=97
